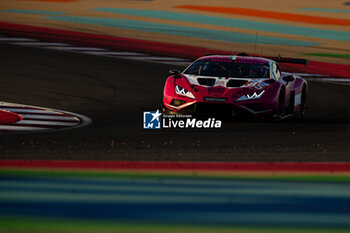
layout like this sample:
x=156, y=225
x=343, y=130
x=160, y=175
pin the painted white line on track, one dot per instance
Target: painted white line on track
x=77, y=48
x=49, y=123
x=309, y=74
x=340, y=83
x=330, y=79
x=117, y=53
x=176, y=63
x=20, y=110
x=40, y=44
x=8, y=39
x=20, y=128
x=142, y=57
x=33, y=117
x=156, y=58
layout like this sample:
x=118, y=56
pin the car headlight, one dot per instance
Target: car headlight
x=255, y=95
x=182, y=91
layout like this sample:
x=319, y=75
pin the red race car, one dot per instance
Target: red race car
x=236, y=85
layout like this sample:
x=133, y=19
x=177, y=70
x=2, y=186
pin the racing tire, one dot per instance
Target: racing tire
x=280, y=108
x=279, y=111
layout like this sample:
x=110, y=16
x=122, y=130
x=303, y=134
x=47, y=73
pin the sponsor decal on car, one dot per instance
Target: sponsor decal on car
x=221, y=81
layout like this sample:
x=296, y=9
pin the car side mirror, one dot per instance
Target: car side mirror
x=288, y=78
x=174, y=72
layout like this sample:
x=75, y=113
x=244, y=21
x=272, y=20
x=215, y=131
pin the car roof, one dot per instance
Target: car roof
x=241, y=58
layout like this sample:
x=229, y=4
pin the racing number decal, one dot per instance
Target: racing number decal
x=257, y=85
x=261, y=86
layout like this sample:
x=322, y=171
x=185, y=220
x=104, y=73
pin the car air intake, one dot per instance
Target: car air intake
x=206, y=81
x=236, y=83
x=211, y=99
x=256, y=107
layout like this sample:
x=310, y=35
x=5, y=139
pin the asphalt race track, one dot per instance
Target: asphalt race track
x=114, y=93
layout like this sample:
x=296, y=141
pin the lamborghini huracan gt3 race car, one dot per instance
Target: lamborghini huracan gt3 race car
x=236, y=85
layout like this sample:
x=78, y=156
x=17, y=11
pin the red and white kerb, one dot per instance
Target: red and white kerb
x=25, y=118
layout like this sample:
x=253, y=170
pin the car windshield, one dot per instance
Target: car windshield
x=224, y=67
